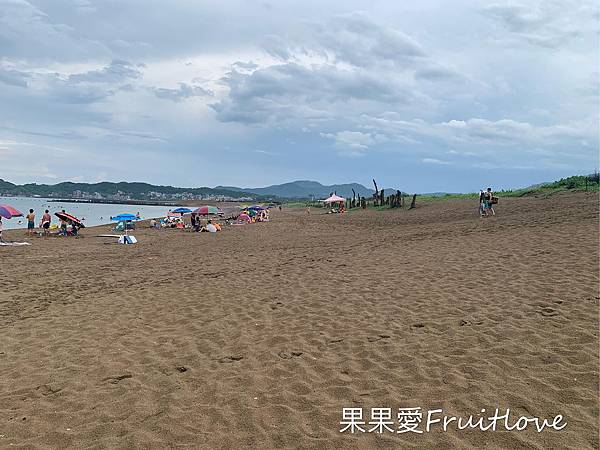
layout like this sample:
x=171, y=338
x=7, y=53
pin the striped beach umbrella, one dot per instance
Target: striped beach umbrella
x=8, y=211
x=207, y=210
x=69, y=218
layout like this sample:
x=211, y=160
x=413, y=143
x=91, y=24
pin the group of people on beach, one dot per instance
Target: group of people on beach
x=487, y=202
x=65, y=227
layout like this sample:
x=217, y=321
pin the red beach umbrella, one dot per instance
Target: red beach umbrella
x=8, y=211
x=70, y=218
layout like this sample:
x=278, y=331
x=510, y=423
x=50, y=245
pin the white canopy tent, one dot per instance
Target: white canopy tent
x=334, y=199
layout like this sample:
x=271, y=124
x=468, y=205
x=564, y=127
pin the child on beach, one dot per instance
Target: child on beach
x=30, y=222
x=45, y=223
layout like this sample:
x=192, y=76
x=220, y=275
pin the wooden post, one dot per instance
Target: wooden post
x=376, y=194
x=413, y=204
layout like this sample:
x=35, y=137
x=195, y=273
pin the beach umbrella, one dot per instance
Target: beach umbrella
x=182, y=211
x=206, y=210
x=69, y=218
x=8, y=211
x=124, y=218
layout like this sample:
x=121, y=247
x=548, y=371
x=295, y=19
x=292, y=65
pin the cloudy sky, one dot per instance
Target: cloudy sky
x=424, y=96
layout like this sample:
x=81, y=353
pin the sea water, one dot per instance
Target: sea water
x=90, y=214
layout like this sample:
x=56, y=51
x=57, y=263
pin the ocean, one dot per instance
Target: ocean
x=90, y=213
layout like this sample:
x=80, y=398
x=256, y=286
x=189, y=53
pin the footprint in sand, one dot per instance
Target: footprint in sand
x=115, y=380
x=182, y=369
x=418, y=325
x=549, y=312
x=379, y=337
x=290, y=355
x=46, y=390
x=276, y=305
x=230, y=359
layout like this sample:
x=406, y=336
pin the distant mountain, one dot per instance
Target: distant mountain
x=122, y=191
x=305, y=189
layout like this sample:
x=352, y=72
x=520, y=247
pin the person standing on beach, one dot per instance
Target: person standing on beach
x=30, y=222
x=45, y=224
x=1, y=229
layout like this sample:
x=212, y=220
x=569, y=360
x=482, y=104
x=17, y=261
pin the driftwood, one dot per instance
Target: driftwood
x=376, y=194
x=413, y=204
x=395, y=200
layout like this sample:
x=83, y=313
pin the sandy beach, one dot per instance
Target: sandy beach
x=259, y=336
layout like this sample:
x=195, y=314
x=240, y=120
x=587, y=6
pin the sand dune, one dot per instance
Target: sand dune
x=257, y=337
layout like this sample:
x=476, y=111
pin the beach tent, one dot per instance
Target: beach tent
x=245, y=217
x=8, y=212
x=334, y=199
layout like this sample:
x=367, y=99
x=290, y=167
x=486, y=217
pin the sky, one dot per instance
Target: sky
x=422, y=96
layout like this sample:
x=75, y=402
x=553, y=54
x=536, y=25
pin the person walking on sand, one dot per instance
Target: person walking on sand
x=45, y=224
x=489, y=206
x=30, y=222
x=482, y=211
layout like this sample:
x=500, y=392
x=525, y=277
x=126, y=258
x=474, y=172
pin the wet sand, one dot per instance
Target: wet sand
x=257, y=337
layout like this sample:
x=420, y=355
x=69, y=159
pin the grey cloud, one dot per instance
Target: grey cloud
x=277, y=47
x=117, y=71
x=245, y=65
x=184, y=91
x=548, y=23
x=281, y=91
x=437, y=73
x=358, y=40
x=26, y=31
x=13, y=77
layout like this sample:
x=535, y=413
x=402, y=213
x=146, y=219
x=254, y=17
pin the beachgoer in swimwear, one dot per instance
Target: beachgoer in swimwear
x=30, y=222
x=45, y=224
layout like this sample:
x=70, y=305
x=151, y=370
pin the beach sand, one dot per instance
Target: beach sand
x=259, y=336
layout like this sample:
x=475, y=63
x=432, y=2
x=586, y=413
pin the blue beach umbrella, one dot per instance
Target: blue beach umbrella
x=182, y=211
x=124, y=218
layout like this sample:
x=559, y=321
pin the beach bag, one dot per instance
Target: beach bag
x=494, y=201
